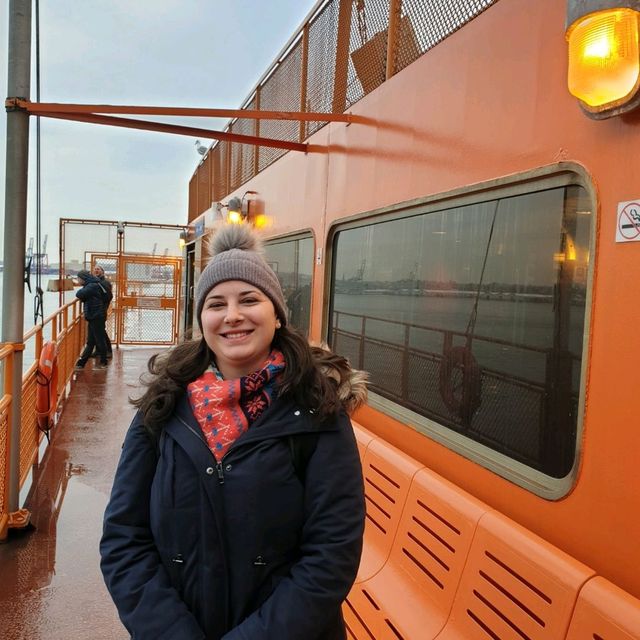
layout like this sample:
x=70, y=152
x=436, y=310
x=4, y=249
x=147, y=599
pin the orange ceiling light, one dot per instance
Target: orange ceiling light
x=604, y=57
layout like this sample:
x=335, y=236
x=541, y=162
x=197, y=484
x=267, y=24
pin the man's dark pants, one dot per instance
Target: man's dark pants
x=95, y=338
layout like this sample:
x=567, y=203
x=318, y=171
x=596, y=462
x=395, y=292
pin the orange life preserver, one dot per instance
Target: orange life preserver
x=460, y=382
x=47, y=381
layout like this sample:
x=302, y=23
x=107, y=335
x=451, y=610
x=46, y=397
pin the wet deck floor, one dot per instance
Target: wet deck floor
x=50, y=582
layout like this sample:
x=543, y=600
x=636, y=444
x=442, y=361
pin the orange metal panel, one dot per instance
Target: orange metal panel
x=490, y=102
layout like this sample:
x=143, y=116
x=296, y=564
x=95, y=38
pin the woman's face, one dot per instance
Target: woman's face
x=238, y=325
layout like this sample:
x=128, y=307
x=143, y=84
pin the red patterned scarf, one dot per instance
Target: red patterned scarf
x=225, y=409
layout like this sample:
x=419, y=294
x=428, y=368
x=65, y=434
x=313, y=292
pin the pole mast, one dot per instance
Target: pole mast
x=15, y=221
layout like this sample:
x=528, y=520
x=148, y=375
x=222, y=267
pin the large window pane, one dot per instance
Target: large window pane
x=292, y=260
x=474, y=317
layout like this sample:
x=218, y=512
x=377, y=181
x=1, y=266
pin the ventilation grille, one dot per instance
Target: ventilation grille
x=506, y=604
x=359, y=619
x=429, y=545
x=382, y=493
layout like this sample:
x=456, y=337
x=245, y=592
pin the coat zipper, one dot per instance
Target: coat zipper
x=219, y=467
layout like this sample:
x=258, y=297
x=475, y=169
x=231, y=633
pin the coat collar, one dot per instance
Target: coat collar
x=281, y=419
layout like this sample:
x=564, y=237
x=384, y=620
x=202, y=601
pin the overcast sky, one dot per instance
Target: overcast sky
x=205, y=53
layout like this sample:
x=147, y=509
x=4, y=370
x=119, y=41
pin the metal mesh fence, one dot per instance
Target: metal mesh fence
x=323, y=36
x=511, y=415
x=148, y=326
x=194, y=205
x=345, y=62
x=4, y=442
x=149, y=279
x=69, y=334
x=425, y=24
x=204, y=184
x=86, y=241
x=367, y=48
x=28, y=427
x=153, y=241
x=243, y=155
x=281, y=92
x=220, y=184
x=149, y=301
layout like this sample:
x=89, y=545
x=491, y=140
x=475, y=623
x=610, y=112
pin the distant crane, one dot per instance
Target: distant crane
x=42, y=259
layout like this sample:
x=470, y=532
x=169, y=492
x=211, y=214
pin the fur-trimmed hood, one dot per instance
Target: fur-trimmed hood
x=352, y=383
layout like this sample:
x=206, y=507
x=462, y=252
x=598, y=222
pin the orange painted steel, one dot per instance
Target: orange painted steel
x=39, y=108
x=67, y=333
x=458, y=569
x=514, y=584
x=605, y=611
x=490, y=103
x=180, y=130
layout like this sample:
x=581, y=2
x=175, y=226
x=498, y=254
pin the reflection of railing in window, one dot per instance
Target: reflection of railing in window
x=517, y=414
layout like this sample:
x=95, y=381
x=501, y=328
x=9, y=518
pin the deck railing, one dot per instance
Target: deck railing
x=526, y=393
x=66, y=328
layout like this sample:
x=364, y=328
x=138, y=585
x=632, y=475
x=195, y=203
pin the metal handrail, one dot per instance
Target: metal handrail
x=68, y=332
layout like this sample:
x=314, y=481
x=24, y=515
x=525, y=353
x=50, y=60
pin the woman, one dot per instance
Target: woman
x=237, y=510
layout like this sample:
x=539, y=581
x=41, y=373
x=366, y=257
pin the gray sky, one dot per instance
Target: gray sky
x=207, y=53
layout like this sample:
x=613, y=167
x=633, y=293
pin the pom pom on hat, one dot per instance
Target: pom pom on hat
x=237, y=255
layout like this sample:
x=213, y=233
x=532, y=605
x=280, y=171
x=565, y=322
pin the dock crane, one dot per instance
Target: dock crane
x=42, y=259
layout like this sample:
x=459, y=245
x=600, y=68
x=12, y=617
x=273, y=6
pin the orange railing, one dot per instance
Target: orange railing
x=66, y=328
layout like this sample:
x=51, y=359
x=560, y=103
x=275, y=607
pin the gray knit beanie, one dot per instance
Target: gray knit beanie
x=236, y=255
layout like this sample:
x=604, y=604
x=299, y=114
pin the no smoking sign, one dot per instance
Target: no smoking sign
x=628, y=223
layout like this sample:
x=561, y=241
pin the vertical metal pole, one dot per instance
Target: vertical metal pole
x=342, y=57
x=392, y=36
x=304, y=72
x=15, y=219
x=256, y=157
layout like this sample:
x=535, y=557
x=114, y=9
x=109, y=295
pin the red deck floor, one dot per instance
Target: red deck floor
x=50, y=582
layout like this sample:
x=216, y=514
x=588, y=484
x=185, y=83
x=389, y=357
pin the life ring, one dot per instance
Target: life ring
x=47, y=381
x=460, y=382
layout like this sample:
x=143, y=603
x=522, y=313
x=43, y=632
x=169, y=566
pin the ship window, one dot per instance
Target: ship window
x=473, y=317
x=292, y=260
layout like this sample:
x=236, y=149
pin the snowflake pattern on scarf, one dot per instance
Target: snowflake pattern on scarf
x=225, y=409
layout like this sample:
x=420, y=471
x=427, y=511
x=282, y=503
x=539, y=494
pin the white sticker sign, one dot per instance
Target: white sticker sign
x=628, y=221
x=149, y=303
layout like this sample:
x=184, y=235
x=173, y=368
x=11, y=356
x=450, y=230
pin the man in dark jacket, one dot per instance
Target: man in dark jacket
x=98, y=272
x=93, y=296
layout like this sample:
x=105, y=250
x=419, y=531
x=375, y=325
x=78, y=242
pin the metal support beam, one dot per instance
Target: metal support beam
x=180, y=130
x=15, y=222
x=38, y=108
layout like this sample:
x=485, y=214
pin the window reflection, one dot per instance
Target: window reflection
x=292, y=260
x=474, y=317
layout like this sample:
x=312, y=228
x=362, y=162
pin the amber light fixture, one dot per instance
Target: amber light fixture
x=604, y=56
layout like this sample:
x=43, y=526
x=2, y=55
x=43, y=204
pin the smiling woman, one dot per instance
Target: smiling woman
x=238, y=325
x=253, y=527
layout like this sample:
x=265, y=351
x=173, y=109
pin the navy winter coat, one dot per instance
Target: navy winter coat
x=92, y=295
x=242, y=550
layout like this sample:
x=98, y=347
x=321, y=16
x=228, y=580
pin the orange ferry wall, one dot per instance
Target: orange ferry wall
x=488, y=102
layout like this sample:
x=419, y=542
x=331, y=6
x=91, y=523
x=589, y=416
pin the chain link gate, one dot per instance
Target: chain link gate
x=146, y=297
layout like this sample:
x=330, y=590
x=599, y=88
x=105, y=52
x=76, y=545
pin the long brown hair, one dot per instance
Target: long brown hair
x=169, y=373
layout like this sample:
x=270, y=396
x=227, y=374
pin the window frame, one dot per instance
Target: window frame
x=558, y=175
x=299, y=234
